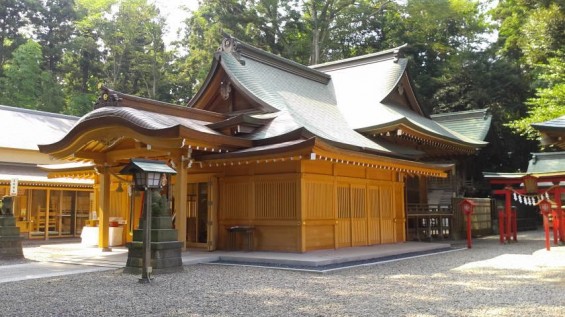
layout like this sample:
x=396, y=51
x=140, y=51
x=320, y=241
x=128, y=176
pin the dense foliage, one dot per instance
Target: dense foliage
x=54, y=53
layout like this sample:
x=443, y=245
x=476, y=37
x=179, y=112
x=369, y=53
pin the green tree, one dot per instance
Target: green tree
x=272, y=25
x=54, y=28
x=533, y=34
x=439, y=34
x=134, y=58
x=26, y=85
x=367, y=27
x=14, y=17
x=81, y=63
x=549, y=100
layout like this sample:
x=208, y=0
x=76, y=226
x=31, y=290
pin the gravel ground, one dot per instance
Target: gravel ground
x=519, y=279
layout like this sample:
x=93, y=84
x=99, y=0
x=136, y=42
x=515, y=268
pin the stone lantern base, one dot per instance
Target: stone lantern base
x=165, y=249
x=10, y=240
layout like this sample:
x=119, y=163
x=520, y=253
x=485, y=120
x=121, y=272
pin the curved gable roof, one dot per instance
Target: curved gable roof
x=364, y=86
x=306, y=95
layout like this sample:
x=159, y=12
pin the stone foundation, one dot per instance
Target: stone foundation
x=165, y=249
x=10, y=240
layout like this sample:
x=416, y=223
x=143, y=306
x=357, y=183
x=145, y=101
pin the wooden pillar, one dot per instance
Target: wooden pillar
x=104, y=209
x=301, y=204
x=47, y=213
x=180, y=194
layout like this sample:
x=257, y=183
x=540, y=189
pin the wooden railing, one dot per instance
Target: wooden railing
x=428, y=222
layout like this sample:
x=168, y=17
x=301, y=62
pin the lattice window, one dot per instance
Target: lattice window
x=319, y=200
x=275, y=200
x=386, y=202
x=236, y=200
x=374, y=203
x=343, y=202
x=358, y=202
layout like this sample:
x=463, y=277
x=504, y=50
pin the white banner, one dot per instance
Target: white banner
x=14, y=187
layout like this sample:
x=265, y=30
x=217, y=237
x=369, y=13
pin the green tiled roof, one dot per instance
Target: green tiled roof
x=551, y=125
x=360, y=88
x=388, y=114
x=473, y=124
x=362, y=85
x=311, y=104
x=547, y=162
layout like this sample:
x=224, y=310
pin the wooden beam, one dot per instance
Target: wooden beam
x=117, y=155
x=97, y=157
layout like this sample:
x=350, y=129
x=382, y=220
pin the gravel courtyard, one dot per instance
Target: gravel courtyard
x=519, y=279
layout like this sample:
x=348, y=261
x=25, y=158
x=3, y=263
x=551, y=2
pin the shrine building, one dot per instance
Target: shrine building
x=308, y=158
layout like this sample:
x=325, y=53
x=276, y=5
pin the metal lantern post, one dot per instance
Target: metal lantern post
x=147, y=176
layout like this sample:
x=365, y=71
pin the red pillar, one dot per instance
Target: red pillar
x=515, y=224
x=508, y=212
x=469, y=238
x=501, y=225
x=560, y=216
x=555, y=216
x=546, y=229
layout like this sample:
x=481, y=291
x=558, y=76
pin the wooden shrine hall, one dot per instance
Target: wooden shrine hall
x=303, y=158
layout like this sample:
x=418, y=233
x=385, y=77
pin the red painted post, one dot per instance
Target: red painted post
x=515, y=224
x=469, y=238
x=508, y=212
x=546, y=228
x=545, y=209
x=555, y=224
x=501, y=217
x=562, y=225
x=559, y=214
x=468, y=207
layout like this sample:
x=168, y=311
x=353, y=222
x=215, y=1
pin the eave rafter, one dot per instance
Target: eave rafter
x=324, y=151
x=431, y=145
x=314, y=149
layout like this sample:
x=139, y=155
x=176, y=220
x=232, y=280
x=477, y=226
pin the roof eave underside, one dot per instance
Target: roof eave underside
x=316, y=149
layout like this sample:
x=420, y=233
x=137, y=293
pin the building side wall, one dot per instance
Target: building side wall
x=299, y=206
x=348, y=206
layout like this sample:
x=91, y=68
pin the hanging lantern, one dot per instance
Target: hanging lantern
x=530, y=184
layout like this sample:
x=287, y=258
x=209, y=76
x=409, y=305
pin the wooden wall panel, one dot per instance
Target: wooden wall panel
x=236, y=199
x=320, y=237
x=400, y=214
x=350, y=171
x=377, y=174
x=387, y=215
x=374, y=215
x=358, y=215
x=319, y=200
x=276, y=199
x=343, y=233
x=277, y=237
x=343, y=227
x=317, y=167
